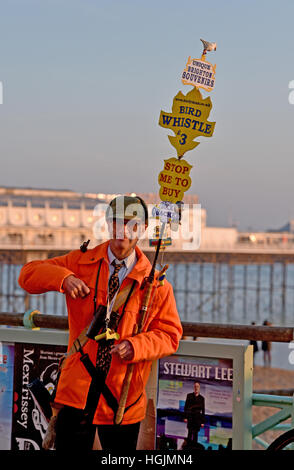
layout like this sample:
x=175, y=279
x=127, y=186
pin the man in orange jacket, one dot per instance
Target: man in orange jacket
x=92, y=375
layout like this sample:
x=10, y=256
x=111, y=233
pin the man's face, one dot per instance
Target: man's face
x=124, y=236
x=196, y=388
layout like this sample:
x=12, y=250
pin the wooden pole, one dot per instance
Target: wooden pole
x=283, y=334
x=234, y=331
x=57, y=322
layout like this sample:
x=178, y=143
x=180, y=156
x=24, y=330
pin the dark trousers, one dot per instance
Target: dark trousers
x=193, y=435
x=75, y=432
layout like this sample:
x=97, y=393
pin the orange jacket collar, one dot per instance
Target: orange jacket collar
x=141, y=269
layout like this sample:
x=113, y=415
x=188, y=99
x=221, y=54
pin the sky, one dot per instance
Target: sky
x=84, y=82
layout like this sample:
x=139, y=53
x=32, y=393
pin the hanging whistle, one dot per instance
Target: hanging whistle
x=108, y=334
x=162, y=275
x=161, y=279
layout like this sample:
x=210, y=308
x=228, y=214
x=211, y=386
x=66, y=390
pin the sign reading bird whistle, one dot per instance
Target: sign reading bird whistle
x=188, y=120
x=174, y=180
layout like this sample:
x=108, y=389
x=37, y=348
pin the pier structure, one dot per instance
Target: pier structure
x=246, y=273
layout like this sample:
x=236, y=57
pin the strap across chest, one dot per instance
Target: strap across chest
x=122, y=298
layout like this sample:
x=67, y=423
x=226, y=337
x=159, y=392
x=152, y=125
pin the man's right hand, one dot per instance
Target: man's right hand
x=75, y=287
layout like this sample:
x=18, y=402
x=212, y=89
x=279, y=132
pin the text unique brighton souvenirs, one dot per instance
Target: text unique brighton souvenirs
x=200, y=73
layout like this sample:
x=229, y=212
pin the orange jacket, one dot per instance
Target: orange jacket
x=160, y=336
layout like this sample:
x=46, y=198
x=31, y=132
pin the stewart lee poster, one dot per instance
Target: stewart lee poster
x=194, y=403
x=32, y=361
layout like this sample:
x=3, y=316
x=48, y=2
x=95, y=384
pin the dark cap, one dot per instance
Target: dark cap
x=127, y=208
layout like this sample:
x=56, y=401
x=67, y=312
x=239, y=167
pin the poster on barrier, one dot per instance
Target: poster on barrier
x=194, y=406
x=32, y=361
x=204, y=397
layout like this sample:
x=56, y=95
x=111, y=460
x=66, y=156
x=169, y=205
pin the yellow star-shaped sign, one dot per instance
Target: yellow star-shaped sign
x=188, y=120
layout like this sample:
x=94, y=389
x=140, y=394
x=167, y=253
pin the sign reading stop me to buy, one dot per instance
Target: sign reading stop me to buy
x=174, y=179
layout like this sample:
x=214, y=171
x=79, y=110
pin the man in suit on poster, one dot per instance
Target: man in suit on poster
x=194, y=413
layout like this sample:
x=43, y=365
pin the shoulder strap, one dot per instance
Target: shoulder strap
x=82, y=339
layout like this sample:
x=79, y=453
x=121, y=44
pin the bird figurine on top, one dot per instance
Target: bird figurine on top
x=208, y=46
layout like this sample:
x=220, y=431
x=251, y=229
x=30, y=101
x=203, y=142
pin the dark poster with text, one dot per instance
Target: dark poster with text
x=32, y=361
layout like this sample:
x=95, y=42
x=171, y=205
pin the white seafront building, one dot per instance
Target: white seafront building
x=61, y=220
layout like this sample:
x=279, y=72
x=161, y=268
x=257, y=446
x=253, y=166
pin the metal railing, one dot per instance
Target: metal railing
x=286, y=407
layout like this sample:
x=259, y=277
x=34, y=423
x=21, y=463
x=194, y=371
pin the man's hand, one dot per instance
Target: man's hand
x=75, y=287
x=124, y=350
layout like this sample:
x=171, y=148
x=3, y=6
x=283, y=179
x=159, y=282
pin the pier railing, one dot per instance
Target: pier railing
x=208, y=330
x=208, y=286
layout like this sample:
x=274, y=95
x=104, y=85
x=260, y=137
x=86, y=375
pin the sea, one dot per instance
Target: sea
x=204, y=292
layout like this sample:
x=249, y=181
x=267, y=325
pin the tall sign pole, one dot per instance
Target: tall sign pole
x=188, y=120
